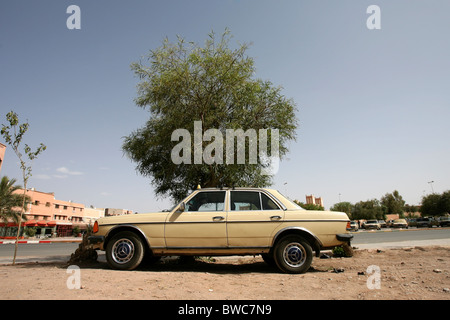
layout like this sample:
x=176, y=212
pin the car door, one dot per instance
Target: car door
x=252, y=218
x=202, y=224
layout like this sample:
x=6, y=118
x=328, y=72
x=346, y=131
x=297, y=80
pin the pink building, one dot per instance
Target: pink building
x=313, y=200
x=52, y=217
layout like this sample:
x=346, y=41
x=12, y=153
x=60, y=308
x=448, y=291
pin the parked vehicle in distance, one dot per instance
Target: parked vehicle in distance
x=225, y=221
x=444, y=221
x=399, y=223
x=412, y=222
x=354, y=226
x=389, y=223
x=382, y=223
x=371, y=224
x=424, y=223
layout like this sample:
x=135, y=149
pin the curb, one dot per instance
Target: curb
x=24, y=241
x=38, y=241
x=396, y=229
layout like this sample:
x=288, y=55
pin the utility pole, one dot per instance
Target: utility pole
x=431, y=184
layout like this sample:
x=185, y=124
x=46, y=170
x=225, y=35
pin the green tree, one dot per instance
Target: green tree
x=13, y=133
x=393, y=203
x=344, y=206
x=181, y=83
x=411, y=211
x=10, y=201
x=370, y=209
x=436, y=204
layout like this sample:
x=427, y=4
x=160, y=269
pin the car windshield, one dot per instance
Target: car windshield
x=372, y=221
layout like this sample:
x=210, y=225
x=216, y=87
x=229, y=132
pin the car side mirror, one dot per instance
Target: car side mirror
x=181, y=207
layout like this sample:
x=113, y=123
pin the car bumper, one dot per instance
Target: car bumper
x=345, y=237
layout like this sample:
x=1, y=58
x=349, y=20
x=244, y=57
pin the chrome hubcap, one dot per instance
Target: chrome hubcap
x=123, y=251
x=294, y=254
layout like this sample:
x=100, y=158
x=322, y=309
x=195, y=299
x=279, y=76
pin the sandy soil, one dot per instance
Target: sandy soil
x=411, y=273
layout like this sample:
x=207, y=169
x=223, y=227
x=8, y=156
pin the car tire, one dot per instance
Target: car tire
x=293, y=254
x=124, y=251
x=269, y=259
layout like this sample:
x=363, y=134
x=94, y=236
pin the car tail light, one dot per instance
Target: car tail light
x=348, y=225
x=95, y=228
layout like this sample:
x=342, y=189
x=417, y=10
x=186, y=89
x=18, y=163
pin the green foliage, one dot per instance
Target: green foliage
x=30, y=231
x=183, y=82
x=10, y=200
x=370, y=209
x=393, y=203
x=76, y=230
x=436, y=204
x=13, y=133
x=338, y=252
x=346, y=207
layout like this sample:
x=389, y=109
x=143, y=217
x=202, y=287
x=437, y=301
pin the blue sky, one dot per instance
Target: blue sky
x=373, y=105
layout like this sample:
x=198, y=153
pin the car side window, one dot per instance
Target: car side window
x=267, y=203
x=207, y=201
x=245, y=200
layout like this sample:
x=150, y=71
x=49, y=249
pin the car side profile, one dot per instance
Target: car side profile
x=229, y=221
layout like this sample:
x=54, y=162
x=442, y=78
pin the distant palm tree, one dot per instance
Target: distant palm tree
x=10, y=202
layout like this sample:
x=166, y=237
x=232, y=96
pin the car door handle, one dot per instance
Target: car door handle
x=275, y=217
x=218, y=218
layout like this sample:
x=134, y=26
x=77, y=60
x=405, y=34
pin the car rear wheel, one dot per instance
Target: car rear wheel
x=293, y=254
x=124, y=251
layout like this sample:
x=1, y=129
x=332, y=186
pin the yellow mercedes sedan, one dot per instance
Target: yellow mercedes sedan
x=227, y=221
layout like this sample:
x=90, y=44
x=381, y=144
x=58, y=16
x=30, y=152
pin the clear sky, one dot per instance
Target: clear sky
x=373, y=105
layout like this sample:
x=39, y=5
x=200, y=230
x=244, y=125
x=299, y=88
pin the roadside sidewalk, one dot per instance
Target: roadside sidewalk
x=35, y=241
x=402, y=244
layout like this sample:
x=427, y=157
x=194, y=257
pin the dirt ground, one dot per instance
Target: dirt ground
x=404, y=274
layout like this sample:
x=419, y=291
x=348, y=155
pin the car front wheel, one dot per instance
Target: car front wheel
x=293, y=254
x=124, y=251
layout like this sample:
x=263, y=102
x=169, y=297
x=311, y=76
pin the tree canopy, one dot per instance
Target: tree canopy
x=185, y=86
x=10, y=201
x=370, y=209
x=436, y=204
x=393, y=203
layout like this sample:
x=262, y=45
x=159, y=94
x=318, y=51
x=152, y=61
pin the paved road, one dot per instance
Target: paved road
x=389, y=235
x=43, y=252
x=401, y=238
x=366, y=239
